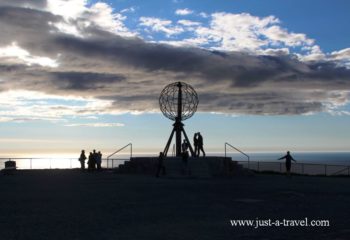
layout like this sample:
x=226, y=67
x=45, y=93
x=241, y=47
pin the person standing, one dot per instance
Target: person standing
x=195, y=144
x=200, y=144
x=95, y=157
x=289, y=160
x=185, y=169
x=160, y=167
x=99, y=160
x=184, y=145
x=82, y=159
x=91, y=162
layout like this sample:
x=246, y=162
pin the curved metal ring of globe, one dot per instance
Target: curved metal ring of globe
x=168, y=101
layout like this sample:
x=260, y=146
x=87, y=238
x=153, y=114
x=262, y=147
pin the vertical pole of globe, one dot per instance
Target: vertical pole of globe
x=178, y=120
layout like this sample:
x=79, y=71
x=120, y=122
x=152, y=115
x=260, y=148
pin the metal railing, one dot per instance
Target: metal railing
x=227, y=144
x=343, y=170
x=109, y=157
x=298, y=168
x=42, y=163
x=259, y=166
x=55, y=163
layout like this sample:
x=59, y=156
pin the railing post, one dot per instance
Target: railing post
x=50, y=163
x=112, y=163
x=130, y=150
x=302, y=168
x=325, y=170
x=237, y=151
x=70, y=163
x=31, y=163
x=281, y=167
x=225, y=149
x=129, y=144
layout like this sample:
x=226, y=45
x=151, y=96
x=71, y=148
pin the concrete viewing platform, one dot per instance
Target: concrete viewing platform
x=70, y=204
x=201, y=167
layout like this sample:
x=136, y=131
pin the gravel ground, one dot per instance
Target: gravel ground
x=69, y=204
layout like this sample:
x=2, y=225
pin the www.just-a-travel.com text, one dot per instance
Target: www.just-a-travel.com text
x=256, y=223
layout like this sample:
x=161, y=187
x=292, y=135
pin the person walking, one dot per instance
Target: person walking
x=289, y=160
x=200, y=144
x=82, y=159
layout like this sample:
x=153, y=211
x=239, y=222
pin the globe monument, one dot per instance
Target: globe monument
x=178, y=101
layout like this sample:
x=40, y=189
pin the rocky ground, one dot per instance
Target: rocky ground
x=69, y=204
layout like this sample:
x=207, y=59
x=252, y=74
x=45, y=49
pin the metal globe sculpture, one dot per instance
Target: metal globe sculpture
x=169, y=101
x=178, y=101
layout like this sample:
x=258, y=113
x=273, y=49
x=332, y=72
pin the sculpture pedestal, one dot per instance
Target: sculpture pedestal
x=202, y=167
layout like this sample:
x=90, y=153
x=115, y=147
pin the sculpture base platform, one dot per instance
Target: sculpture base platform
x=201, y=167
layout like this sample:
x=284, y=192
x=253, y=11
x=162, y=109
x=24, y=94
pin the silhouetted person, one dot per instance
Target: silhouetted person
x=195, y=144
x=185, y=156
x=94, y=156
x=200, y=144
x=82, y=159
x=91, y=162
x=184, y=145
x=289, y=160
x=98, y=160
x=160, y=167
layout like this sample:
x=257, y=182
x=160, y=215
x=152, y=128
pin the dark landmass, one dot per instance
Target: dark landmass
x=69, y=204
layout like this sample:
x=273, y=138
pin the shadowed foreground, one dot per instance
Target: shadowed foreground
x=68, y=204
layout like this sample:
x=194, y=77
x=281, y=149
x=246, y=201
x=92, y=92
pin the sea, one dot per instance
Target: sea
x=329, y=158
x=59, y=161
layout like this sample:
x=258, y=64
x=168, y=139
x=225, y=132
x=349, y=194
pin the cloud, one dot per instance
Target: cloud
x=96, y=125
x=188, y=23
x=203, y=15
x=15, y=54
x=342, y=57
x=76, y=16
x=276, y=34
x=83, y=80
x=342, y=54
x=244, y=32
x=100, y=71
x=128, y=10
x=183, y=12
x=160, y=25
x=40, y=4
x=24, y=106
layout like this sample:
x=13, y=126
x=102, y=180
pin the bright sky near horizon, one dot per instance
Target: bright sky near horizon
x=271, y=75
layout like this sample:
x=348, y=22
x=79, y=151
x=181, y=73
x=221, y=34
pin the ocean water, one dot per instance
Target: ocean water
x=329, y=158
x=266, y=159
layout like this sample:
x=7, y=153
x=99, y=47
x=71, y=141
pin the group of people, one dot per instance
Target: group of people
x=198, y=144
x=198, y=148
x=94, y=160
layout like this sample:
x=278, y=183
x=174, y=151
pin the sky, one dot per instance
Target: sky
x=270, y=75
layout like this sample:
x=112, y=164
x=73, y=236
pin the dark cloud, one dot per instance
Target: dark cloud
x=131, y=72
x=24, y=3
x=84, y=80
